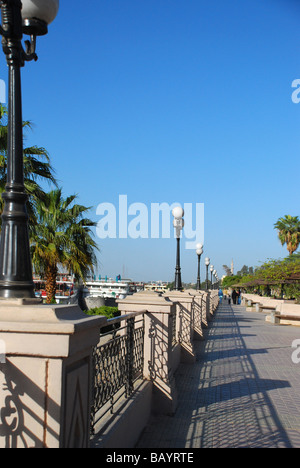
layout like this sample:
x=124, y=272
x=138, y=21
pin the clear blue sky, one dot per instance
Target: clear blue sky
x=173, y=101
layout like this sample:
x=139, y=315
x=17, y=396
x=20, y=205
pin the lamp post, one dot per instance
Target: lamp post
x=178, y=224
x=199, y=251
x=207, y=262
x=215, y=275
x=211, y=273
x=30, y=17
x=217, y=281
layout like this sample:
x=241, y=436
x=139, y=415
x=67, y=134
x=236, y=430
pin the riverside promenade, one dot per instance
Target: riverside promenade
x=243, y=391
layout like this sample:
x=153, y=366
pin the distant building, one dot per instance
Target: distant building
x=158, y=286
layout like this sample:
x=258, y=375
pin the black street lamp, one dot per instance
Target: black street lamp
x=211, y=273
x=178, y=224
x=215, y=276
x=199, y=251
x=217, y=280
x=207, y=262
x=30, y=17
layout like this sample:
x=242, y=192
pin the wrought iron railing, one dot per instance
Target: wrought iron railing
x=118, y=364
x=173, y=329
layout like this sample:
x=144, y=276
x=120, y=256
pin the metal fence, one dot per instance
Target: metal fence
x=118, y=364
x=173, y=337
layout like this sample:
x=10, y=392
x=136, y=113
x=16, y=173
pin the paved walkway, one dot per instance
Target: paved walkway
x=243, y=390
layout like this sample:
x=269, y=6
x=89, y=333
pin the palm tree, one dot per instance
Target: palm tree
x=289, y=232
x=62, y=237
x=37, y=167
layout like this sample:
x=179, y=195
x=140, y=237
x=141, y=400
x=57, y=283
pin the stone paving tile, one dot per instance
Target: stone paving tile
x=243, y=390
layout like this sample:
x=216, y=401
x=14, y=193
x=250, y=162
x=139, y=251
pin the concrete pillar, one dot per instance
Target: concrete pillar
x=161, y=354
x=214, y=300
x=45, y=375
x=198, y=304
x=206, y=315
x=184, y=303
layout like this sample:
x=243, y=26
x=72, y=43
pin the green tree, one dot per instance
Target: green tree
x=244, y=271
x=229, y=281
x=288, y=229
x=37, y=167
x=106, y=311
x=62, y=237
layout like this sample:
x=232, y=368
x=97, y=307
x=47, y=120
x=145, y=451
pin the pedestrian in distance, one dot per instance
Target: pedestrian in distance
x=234, y=296
x=220, y=295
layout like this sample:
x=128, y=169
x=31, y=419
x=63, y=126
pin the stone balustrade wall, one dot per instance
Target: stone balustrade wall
x=46, y=367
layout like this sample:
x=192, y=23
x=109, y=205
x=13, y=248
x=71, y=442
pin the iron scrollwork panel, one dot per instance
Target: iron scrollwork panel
x=110, y=370
x=117, y=365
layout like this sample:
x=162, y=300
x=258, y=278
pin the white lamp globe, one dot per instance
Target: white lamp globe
x=207, y=261
x=43, y=11
x=178, y=212
x=199, y=246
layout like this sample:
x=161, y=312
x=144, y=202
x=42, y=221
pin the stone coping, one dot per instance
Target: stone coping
x=179, y=296
x=61, y=319
x=149, y=301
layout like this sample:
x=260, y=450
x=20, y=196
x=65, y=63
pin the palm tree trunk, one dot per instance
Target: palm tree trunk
x=50, y=277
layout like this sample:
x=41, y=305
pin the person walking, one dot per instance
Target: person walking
x=220, y=295
x=234, y=296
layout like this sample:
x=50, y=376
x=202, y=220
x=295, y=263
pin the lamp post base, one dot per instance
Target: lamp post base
x=178, y=283
x=16, y=279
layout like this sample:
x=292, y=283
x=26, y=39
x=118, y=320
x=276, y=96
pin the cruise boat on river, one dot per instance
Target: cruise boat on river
x=108, y=288
x=65, y=285
x=105, y=288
